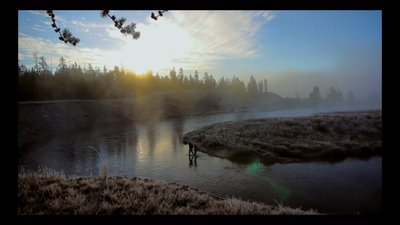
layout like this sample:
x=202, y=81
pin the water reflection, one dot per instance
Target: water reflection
x=283, y=193
x=177, y=136
x=192, y=161
x=155, y=150
x=151, y=137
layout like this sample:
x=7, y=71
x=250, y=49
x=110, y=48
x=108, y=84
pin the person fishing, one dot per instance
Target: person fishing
x=195, y=149
x=190, y=148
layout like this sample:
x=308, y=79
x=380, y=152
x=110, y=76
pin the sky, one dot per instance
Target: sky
x=293, y=50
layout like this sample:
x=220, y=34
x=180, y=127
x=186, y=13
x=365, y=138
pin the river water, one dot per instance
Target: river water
x=154, y=150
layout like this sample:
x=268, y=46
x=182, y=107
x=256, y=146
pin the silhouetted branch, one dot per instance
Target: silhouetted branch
x=119, y=23
x=65, y=35
x=160, y=13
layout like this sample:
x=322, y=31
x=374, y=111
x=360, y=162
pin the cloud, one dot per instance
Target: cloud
x=267, y=15
x=88, y=24
x=188, y=39
x=59, y=20
x=28, y=44
x=219, y=34
x=37, y=27
x=38, y=12
x=197, y=39
x=21, y=56
x=81, y=28
x=43, y=13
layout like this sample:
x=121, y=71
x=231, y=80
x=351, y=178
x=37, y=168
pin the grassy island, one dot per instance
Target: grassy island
x=322, y=137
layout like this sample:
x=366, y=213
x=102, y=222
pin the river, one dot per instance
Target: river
x=154, y=150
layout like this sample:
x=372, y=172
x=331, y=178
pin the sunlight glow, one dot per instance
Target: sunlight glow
x=158, y=48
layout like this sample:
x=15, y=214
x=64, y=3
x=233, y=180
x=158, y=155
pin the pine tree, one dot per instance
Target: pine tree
x=252, y=87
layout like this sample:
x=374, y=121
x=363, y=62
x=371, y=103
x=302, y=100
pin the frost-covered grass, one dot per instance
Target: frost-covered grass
x=332, y=136
x=48, y=192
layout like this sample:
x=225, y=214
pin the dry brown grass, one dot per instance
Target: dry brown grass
x=333, y=136
x=50, y=193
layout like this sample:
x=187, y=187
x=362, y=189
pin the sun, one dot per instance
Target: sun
x=159, y=47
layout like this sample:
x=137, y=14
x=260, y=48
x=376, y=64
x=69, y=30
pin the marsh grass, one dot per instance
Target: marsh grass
x=326, y=137
x=51, y=193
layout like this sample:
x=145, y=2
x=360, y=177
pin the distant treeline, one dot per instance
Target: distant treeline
x=73, y=82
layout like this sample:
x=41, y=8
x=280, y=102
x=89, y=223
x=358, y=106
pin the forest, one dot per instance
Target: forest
x=71, y=81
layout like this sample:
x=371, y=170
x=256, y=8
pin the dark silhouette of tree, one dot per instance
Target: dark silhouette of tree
x=36, y=66
x=22, y=69
x=119, y=23
x=62, y=63
x=70, y=81
x=315, y=95
x=222, y=84
x=260, y=87
x=252, y=87
x=196, y=79
x=27, y=86
x=172, y=75
x=334, y=95
x=91, y=73
x=62, y=67
x=238, y=86
x=43, y=66
x=180, y=74
x=209, y=82
x=65, y=34
x=265, y=85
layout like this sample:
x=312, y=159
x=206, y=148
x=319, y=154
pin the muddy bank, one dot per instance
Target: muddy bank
x=52, y=194
x=323, y=137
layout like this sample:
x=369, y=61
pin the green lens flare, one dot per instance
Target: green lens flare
x=283, y=192
x=254, y=166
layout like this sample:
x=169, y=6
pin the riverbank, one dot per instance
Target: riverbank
x=323, y=137
x=51, y=193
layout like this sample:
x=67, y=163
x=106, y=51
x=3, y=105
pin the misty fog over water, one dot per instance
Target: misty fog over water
x=154, y=150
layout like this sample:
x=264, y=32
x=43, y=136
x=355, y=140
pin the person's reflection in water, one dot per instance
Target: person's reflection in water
x=195, y=150
x=192, y=159
x=177, y=134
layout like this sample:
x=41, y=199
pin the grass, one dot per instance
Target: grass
x=46, y=192
x=326, y=137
